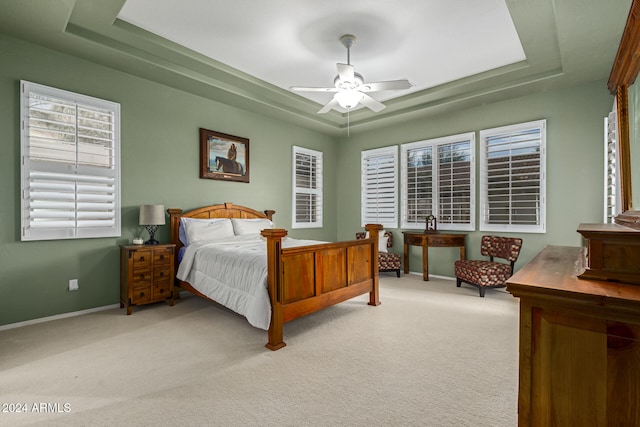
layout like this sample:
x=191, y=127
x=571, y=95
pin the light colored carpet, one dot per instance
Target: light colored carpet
x=430, y=355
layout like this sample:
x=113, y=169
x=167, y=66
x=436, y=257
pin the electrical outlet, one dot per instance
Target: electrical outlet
x=73, y=285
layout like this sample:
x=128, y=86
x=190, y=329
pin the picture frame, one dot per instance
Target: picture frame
x=223, y=157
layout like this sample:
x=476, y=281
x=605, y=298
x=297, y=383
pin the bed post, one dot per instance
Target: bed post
x=274, y=245
x=374, y=295
x=174, y=226
x=269, y=213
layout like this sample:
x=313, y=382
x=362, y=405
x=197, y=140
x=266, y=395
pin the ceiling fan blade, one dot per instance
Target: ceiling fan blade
x=390, y=85
x=331, y=104
x=371, y=103
x=312, y=89
x=346, y=73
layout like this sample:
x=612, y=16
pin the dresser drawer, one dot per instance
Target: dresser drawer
x=142, y=277
x=142, y=259
x=162, y=256
x=161, y=291
x=161, y=274
x=141, y=295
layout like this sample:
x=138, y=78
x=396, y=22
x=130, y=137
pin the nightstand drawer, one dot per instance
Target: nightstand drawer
x=142, y=259
x=162, y=256
x=161, y=274
x=141, y=295
x=142, y=277
x=161, y=291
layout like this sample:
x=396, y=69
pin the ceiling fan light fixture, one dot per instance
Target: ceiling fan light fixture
x=350, y=88
x=348, y=99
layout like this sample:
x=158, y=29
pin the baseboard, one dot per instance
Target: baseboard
x=56, y=317
x=435, y=276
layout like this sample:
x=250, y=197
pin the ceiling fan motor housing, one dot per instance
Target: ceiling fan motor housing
x=358, y=81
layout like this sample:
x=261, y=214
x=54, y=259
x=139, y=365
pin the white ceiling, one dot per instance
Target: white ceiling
x=295, y=43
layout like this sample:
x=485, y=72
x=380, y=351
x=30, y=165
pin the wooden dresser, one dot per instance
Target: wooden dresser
x=579, y=344
x=146, y=274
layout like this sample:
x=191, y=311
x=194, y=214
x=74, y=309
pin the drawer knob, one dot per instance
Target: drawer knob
x=141, y=258
x=141, y=294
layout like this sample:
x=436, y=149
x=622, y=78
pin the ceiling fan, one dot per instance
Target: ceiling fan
x=350, y=88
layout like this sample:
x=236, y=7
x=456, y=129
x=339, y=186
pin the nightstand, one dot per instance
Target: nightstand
x=146, y=274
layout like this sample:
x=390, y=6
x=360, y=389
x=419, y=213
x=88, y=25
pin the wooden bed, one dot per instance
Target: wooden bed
x=301, y=280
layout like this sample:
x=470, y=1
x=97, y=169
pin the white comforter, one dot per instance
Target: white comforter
x=233, y=272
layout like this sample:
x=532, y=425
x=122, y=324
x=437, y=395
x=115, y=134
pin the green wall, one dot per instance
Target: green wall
x=160, y=165
x=574, y=165
x=160, y=160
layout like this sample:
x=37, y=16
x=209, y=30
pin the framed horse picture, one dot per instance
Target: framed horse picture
x=223, y=156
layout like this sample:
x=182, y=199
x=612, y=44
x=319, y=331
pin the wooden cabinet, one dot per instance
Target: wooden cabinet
x=579, y=344
x=146, y=274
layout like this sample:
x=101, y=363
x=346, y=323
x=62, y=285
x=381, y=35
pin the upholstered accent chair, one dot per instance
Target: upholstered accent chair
x=387, y=261
x=490, y=274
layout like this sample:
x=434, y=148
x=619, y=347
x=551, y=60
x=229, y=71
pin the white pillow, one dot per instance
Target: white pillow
x=243, y=226
x=382, y=243
x=382, y=240
x=202, y=231
x=183, y=235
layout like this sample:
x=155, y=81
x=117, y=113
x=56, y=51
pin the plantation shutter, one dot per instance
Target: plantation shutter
x=438, y=179
x=455, y=196
x=307, y=188
x=70, y=165
x=418, y=190
x=611, y=183
x=513, y=181
x=379, y=184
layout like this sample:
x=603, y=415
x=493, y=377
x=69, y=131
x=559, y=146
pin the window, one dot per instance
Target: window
x=512, y=178
x=307, y=188
x=70, y=171
x=379, y=186
x=438, y=177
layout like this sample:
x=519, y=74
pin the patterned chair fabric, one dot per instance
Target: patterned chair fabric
x=484, y=274
x=387, y=261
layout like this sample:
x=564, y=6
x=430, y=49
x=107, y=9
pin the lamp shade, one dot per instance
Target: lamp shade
x=152, y=215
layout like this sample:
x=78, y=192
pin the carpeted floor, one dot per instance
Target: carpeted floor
x=430, y=355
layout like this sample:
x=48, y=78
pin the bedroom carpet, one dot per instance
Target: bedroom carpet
x=430, y=355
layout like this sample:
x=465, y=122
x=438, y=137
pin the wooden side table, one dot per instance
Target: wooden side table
x=146, y=274
x=426, y=240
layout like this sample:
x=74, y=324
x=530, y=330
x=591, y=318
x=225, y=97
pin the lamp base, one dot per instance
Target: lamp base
x=152, y=231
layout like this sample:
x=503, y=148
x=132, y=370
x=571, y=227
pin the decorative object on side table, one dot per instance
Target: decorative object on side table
x=432, y=224
x=151, y=216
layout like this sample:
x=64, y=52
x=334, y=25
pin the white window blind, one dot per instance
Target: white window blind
x=379, y=186
x=611, y=165
x=438, y=178
x=70, y=171
x=307, y=188
x=512, y=178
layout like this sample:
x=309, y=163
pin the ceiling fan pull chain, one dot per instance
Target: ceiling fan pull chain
x=348, y=118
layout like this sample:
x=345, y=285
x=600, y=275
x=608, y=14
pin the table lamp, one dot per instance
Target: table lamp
x=151, y=216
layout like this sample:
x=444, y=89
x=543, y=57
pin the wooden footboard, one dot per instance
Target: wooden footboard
x=306, y=279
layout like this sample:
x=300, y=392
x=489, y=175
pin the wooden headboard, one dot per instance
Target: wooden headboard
x=226, y=210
